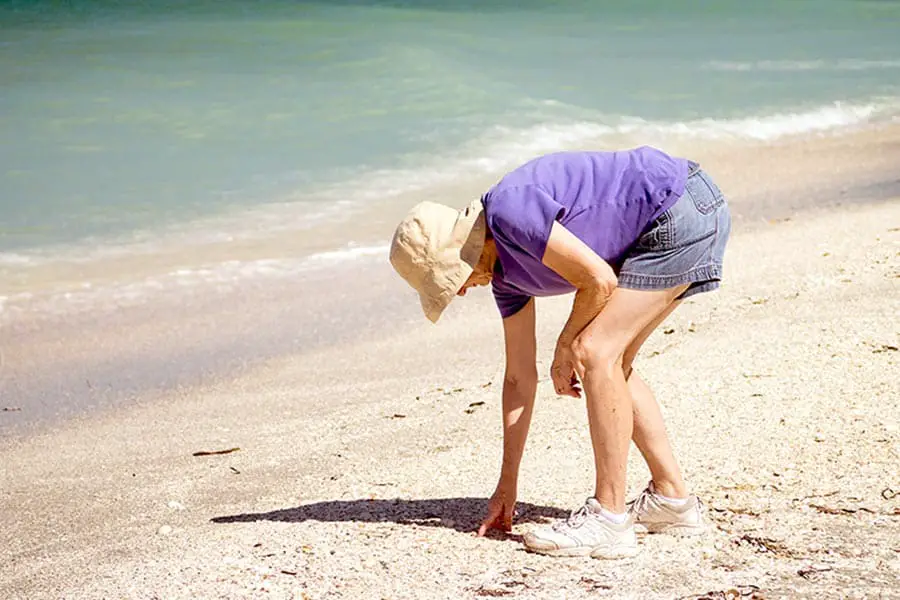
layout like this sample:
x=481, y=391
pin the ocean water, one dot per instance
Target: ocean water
x=146, y=145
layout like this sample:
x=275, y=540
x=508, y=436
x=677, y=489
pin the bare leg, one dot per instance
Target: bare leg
x=650, y=437
x=611, y=419
x=649, y=433
x=601, y=349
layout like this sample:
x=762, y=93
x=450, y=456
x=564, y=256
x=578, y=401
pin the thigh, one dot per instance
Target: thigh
x=624, y=320
x=635, y=346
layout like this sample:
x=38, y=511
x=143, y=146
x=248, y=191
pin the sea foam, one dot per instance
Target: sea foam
x=499, y=148
x=843, y=64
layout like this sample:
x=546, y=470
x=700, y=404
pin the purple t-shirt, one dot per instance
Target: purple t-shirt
x=606, y=199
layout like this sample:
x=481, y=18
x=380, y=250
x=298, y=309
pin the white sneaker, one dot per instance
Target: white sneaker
x=585, y=533
x=654, y=514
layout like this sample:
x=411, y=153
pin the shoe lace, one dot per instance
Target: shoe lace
x=576, y=519
x=637, y=506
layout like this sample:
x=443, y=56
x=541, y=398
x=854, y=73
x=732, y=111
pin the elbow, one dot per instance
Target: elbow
x=609, y=285
x=603, y=285
x=523, y=379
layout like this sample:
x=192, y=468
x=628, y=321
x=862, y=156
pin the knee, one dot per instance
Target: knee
x=599, y=360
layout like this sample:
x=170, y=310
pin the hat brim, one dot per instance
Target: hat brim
x=469, y=232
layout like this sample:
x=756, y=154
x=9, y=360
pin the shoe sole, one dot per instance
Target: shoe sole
x=675, y=529
x=602, y=552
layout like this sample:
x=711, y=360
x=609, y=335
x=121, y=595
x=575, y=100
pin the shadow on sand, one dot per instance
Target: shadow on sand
x=461, y=514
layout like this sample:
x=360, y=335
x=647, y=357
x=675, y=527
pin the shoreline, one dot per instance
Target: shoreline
x=61, y=367
x=363, y=467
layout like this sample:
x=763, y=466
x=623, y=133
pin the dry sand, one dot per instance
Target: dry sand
x=362, y=470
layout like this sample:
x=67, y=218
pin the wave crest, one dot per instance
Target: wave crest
x=844, y=64
x=495, y=151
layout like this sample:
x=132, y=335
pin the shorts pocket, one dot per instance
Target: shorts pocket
x=704, y=192
x=658, y=236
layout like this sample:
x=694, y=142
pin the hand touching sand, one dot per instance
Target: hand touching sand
x=501, y=509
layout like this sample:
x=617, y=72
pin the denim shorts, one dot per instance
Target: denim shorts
x=685, y=244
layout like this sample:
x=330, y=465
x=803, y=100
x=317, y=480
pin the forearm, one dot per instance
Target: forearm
x=518, y=405
x=589, y=301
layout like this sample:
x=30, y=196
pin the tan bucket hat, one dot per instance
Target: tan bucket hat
x=435, y=249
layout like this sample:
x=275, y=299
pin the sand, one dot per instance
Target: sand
x=363, y=468
x=77, y=350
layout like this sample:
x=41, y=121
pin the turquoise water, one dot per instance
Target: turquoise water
x=187, y=187
x=120, y=120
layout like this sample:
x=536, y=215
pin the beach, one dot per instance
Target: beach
x=214, y=385
x=362, y=466
x=143, y=325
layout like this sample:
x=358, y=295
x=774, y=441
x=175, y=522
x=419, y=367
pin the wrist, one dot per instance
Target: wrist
x=565, y=342
x=509, y=478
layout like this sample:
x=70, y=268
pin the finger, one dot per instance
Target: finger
x=563, y=377
x=485, y=525
x=569, y=384
x=556, y=375
x=489, y=522
x=578, y=367
x=559, y=385
x=566, y=388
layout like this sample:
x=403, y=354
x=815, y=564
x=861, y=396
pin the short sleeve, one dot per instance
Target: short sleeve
x=509, y=301
x=522, y=217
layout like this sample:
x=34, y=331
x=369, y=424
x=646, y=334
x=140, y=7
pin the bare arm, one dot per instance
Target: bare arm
x=594, y=282
x=519, y=387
